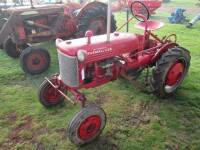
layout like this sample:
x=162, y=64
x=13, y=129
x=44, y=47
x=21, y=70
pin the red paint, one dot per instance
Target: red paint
x=52, y=95
x=141, y=60
x=21, y=32
x=175, y=73
x=100, y=49
x=163, y=49
x=123, y=52
x=151, y=4
x=134, y=49
x=89, y=127
x=67, y=29
x=151, y=25
x=35, y=61
x=88, y=34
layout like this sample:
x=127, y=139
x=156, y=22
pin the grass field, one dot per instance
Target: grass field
x=136, y=120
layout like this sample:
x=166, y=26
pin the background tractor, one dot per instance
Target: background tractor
x=96, y=60
x=22, y=26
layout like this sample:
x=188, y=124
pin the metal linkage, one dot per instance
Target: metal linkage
x=63, y=94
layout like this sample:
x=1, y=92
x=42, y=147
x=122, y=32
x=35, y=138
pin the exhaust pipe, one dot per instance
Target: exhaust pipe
x=108, y=20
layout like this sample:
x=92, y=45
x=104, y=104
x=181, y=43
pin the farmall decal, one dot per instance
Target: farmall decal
x=100, y=50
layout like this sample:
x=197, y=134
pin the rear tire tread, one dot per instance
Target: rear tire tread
x=90, y=14
x=162, y=66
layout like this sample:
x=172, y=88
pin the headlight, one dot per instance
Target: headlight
x=58, y=41
x=81, y=54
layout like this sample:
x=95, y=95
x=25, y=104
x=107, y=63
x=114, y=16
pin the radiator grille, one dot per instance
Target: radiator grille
x=68, y=69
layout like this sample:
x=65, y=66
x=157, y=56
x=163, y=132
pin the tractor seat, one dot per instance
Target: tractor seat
x=151, y=25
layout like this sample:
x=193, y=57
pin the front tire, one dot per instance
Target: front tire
x=34, y=60
x=87, y=125
x=170, y=71
x=49, y=96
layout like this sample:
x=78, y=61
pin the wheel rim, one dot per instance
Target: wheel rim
x=36, y=61
x=89, y=127
x=174, y=76
x=51, y=95
x=97, y=26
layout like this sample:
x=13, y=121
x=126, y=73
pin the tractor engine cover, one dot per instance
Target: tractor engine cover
x=99, y=48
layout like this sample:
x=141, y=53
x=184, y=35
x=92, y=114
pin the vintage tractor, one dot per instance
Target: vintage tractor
x=93, y=61
x=22, y=26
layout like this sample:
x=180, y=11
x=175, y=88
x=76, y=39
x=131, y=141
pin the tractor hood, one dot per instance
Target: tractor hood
x=98, y=48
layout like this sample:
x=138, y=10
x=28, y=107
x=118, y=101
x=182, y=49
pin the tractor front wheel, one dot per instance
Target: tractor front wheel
x=48, y=95
x=87, y=125
x=34, y=60
x=170, y=71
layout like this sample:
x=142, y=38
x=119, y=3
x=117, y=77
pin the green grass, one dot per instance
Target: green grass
x=182, y=3
x=170, y=124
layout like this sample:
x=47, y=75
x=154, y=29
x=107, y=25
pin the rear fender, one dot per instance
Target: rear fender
x=162, y=50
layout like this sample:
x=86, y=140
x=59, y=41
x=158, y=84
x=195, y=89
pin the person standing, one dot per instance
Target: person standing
x=193, y=21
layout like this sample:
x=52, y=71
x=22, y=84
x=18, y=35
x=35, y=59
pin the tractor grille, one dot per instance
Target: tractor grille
x=68, y=69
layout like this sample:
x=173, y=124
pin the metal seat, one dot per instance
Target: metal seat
x=151, y=25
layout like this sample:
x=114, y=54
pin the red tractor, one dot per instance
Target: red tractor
x=24, y=25
x=93, y=61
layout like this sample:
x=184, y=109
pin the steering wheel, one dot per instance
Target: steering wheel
x=169, y=38
x=139, y=9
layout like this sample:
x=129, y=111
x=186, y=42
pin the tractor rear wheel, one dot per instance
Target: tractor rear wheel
x=94, y=19
x=170, y=71
x=34, y=60
x=11, y=48
x=48, y=95
x=86, y=125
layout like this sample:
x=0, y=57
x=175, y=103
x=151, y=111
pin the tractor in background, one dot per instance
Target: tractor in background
x=20, y=27
x=93, y=61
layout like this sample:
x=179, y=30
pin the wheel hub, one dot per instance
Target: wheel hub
x=35, y=61
x=51, y=94
x=89, y=127
x=175, y=73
